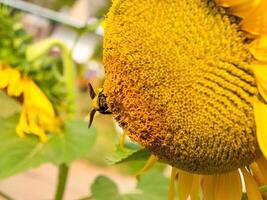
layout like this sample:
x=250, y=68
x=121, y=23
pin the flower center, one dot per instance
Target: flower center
x=178, y=80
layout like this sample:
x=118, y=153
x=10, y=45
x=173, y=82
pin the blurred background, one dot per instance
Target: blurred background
x=66, y=20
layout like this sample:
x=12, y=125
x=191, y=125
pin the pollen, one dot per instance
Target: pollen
x=178, y=81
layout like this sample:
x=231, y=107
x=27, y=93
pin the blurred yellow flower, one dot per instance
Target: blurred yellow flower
x=37, y=115
x=10, y=79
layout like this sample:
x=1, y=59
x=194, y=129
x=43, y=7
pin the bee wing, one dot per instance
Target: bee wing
x=91, y=91
x=92, y=114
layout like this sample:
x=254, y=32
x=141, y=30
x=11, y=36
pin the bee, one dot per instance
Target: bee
x=99, y=103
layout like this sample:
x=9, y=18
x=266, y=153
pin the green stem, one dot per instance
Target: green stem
x=62, y=180
x=5, y=196
x=38, y=49
x=263, y=189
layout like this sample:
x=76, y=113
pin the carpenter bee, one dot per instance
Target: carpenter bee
x=99, y=103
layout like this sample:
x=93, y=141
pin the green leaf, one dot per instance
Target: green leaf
x=18, y=154
x=103, y=188
x=8, y=105
x=152, y=186
x=131, y=152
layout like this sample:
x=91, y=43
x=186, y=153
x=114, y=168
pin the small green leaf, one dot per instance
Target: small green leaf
x=18, y=154
x=104, y=188
x=152, y=186
x=131, y=152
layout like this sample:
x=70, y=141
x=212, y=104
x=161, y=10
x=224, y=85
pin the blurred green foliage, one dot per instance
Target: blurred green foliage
x=18, y=154
x=104, y=10
x=13, y=40
x=49, y=72
x=152, y=186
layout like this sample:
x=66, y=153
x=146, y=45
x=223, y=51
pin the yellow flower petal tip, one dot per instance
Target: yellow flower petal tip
x=171, y=194
x=260, y=73
x=259, y=48
x=251, y=186
x=149, y=164
x=260, y=110
x=10, y=80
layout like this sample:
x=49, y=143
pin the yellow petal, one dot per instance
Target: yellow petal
x=231, y=3
x=260, y=73
x=15, y=83
x=209, y=182
x=258, y=48
x=22, y=126
x=260, y=111
x=228, y=186
x=256, y=173
x=262, y=164
x=251, y=186
x=220, y=187
x=241, y=8
x=4, y=78
x=256, y=21
x=37, y=130
x=171, y=194
x=195, y=189
x=34, y=97
x=185, y=182
x=149, y=164
x=122, y=139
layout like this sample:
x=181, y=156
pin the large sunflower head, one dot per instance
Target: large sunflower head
x=185, y=78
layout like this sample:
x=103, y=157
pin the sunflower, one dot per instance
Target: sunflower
x=37, y=116
x=187, y=79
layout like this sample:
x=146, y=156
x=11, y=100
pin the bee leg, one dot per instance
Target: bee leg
x=149, y=164
x=92, y=114
x=91, y=91
x=122, y=139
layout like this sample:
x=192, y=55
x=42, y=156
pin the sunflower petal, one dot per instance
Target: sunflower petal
x=251, y=186
x=185, y=182
x=149, y=164
x=171, y=194
x=260, y=72
x=122, y=139
x=257, y=174
x=209, y=187
x=256, y=21
x=262, y=164
x=229, y=186
x=258, y=48
x=220, y=187
x=195, y=189
x=241, y=8
x=230, y=3
x=260, y=110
